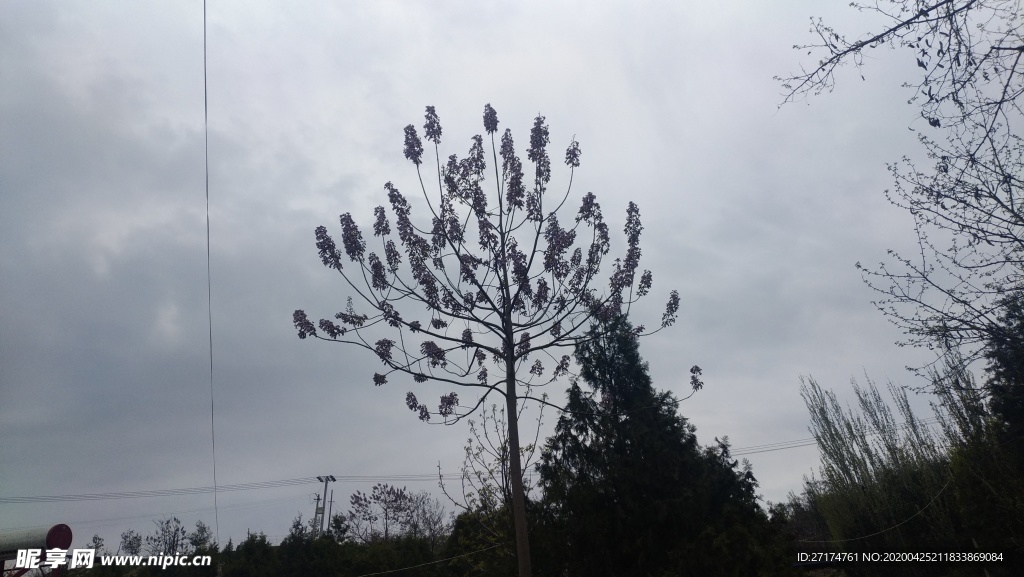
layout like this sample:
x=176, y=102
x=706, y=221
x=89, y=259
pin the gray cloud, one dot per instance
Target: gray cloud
x=755, y=214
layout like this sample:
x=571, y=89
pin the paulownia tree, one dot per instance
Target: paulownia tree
x=493, y=293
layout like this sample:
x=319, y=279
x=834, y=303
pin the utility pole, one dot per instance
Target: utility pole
x=318, y=518
x=316, y=512
x=330, y=506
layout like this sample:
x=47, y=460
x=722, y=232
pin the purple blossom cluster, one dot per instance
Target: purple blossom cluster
x=332, y=330
x=416, y=247
x=389, y=314
x=537, y=369
x=446, y=407
x=432, y=127
x=329, y=254
x=563, y=366
x=413, y=146
x=351, y=238
x=490, y=119
x=303, y=324
x=434, y=354
x=512, y=172
x=392, y=255
x=695, y=381
x=467, y=269
x=350, y=317
x=572, y=154
x=378, y=278
x=669, y=318
x=559, y=241
x=381, y=226
x=538, y=154
x=520, y=274
x=542, y=295
x=448, y=404
x=523, y=347
x=383, y=349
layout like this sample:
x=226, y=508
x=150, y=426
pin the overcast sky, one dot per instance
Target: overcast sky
x=755, y=214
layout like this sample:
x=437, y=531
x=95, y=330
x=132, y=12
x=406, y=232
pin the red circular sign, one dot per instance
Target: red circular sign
x=58, y=537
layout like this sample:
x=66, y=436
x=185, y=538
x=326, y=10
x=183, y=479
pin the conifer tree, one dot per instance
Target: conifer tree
x=624, y=478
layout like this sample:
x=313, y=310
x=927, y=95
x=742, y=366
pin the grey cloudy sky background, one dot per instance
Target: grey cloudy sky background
x=756, y=215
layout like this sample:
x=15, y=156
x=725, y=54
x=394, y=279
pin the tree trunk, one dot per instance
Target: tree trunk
x=516, y=472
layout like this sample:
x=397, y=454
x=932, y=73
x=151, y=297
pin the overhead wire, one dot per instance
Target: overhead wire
x=886, y=530
x=204, y=490
x=162, y=514
x=806, y=442
x=428, y=563
x=209, y=283
x=412, y=477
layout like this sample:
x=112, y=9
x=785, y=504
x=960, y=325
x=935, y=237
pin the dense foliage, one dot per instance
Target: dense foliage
x=1005, y=353
x=947, y=484
x=628, y=488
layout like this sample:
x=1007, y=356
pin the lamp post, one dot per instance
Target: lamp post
x=320, y=508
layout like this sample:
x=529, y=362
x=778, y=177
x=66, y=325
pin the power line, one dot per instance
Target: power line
x=782, y=446
x=221, y=488
x=209, y=283
x=429, y=562
x=413, y=477
x=806, y=442
x=919, y=511
x=114, y=520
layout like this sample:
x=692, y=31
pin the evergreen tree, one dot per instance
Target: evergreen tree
x=1006, y=375
x=254, y=557
x=629, y=487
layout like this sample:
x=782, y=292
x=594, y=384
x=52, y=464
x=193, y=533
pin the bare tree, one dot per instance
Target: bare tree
x=489, y=281
x=202, y=538
x=428, y=520
x=384, y=513
x=338, y=527
x=97, y=545
x=170, y=538
x=131, y=543
x=967, y=207
x=485, y=481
